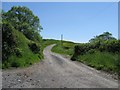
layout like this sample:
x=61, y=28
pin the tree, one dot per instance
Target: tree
x=22, y=19
x=101, y=38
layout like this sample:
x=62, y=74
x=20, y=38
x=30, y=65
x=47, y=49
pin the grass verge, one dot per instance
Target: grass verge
x=101, y=61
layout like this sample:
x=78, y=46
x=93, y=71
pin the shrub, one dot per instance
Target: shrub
x=18, y=52
x=5, y=65
x=35, y=48
x=113, y=46
x=91, y=51
x=81, y=49
x=74, y=57
x=9, y=41
x=102, y=48
x=15, y=64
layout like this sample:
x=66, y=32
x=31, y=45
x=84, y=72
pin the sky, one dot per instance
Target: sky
x=77, y=21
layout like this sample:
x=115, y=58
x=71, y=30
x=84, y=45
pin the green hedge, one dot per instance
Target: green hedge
x=112, y=46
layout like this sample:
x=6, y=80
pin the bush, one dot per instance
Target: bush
x=9, y=41
x=102, y=48
x=18, y=52
x=91, y=51
x=79, y=49
x=5, y=65
x=74, y=57
x=112, y=46
x=35, y=48
x=15, y=64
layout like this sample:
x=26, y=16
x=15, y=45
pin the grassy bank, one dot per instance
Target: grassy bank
x=23, y=55
x=21, y=39
x=100, y=60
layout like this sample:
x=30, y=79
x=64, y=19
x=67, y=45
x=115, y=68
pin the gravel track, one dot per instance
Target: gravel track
x=56, y=71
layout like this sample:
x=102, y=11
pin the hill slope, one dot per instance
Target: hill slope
x=21, y=39
x=23, y=55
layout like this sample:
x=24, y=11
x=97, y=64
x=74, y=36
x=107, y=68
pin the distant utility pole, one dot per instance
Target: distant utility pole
x=61, y=39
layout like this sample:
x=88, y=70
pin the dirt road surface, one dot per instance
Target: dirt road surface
x=56, y=71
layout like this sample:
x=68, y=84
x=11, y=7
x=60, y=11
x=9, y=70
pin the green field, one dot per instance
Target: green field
x=47, y=42
x=66, y=48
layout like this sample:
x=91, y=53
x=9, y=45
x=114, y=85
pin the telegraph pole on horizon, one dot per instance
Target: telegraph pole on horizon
x=61, y=39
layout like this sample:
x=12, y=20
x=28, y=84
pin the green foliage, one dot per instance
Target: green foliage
x=18, y=52
x=101, y=52
x=23, y=56
x=81, y=49
x=67, y=45
x=21, y=41
x=100, y=60
x=102, y=37
x=9, y=41
x=118, y=66
x=34, y=47
x=91, y=51
x=47, y=42
x=112, y=46
x=15, y=64
x=66, y=49
x=23, y=20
